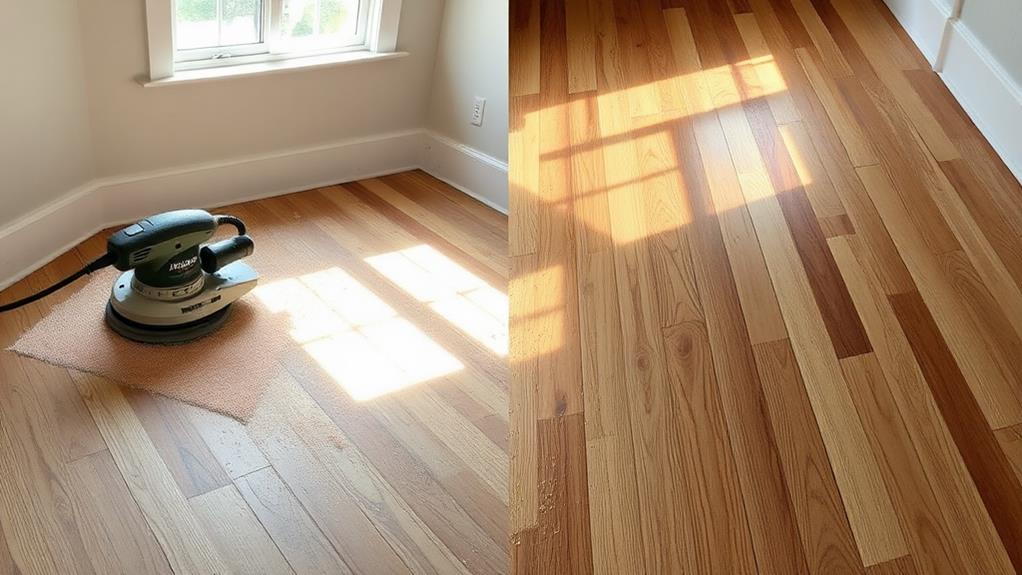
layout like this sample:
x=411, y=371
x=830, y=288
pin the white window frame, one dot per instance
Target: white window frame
x=379, y=27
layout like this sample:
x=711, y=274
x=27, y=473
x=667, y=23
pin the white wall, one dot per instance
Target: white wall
x=137, y=129
x=997, y=24
x=44, y=123
x=472, y=57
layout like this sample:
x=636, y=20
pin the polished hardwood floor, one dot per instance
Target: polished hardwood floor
x=765, y=297
x=96, y=478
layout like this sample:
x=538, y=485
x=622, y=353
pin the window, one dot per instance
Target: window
x=190, y=34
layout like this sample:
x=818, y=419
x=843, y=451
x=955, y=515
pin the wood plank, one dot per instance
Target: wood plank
x=973, y=536
x=759, y=303
x=771, y=523
x=451, y=214
x=830, y=53
x=645, y=364
x=7, y=564
x=662, y=242
x=36, y=501
x=889, y=58
x=812, y=174
x=523, y=174
x=906, y=163
x=343, y=522
x=989, y=378
x=580, y=42
x=34, y=533
x=771, y=80
x=524, y=68
x=469, y=527
x=613, y=499
x=292, y=530
x=237, y=533
x=899, y=566
x=868, y=505
x=181, y=448
x=186, y=545
x=227, y=440
x=559, y=371
x=416, y=544
x=116, y=536
x=410, y=215
x=860, y=149
x=562, y=541
x=1010, y=439
x=843, y=324
x=929, y=540
x=637, y=75
x=822, y=523
x=990, y=468
x=869, y=226
x=588, y=176
x=527, y=333
x=995, y=219
x=427, y=186
x=710, y=475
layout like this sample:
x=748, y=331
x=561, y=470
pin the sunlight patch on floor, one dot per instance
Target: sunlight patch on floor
x=362, y=342
x=538, y=318
x=456, y=294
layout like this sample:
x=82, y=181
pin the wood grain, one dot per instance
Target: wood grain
x=989, y=465
x=737, y=201
x=237, y=533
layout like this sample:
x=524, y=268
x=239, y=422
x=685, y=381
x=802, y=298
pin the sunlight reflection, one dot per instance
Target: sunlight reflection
x=539, y=324
x=641, y=169
x=763, y=68
x=460, y=297
x=354, y=335
x=797, y=158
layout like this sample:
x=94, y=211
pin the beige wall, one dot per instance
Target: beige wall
x=472, y=57
x=44, y=124
x=139, y=129
x=997, y=24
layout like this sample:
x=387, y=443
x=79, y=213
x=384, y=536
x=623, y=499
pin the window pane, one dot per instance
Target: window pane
x=197, y=24
x=240, y=22
x=316, y=24
x=212, y=23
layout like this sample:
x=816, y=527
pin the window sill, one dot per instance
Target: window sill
x=275, y=67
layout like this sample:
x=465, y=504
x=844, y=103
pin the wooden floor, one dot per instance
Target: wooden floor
x=765, y=302
x=99, y=479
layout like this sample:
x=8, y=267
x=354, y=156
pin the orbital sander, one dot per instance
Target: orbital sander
x=176, y=287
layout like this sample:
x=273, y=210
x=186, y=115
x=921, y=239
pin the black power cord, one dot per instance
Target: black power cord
x=105, y=261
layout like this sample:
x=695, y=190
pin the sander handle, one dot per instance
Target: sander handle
x=215, y=256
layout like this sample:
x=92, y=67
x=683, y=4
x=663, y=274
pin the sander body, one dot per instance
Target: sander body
x=177, y=287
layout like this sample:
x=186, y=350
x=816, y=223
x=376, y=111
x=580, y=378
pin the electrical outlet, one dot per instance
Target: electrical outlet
x=477, y=111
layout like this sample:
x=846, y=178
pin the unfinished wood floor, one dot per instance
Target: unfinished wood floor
x=99, y=479
x=765, y=304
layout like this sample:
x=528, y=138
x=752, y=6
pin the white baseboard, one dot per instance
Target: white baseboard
x=926, y=22
x=986, y=92
x=31, y=241
x=37, y=238
x=467, y=169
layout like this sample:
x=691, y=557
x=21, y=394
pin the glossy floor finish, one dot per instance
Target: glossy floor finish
x=765, y=302
x=99, y=479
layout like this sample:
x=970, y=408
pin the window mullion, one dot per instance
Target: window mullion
x=276, y=8
x=219, y=22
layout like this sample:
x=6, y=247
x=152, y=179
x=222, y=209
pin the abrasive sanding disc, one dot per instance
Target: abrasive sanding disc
x=165, y=335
